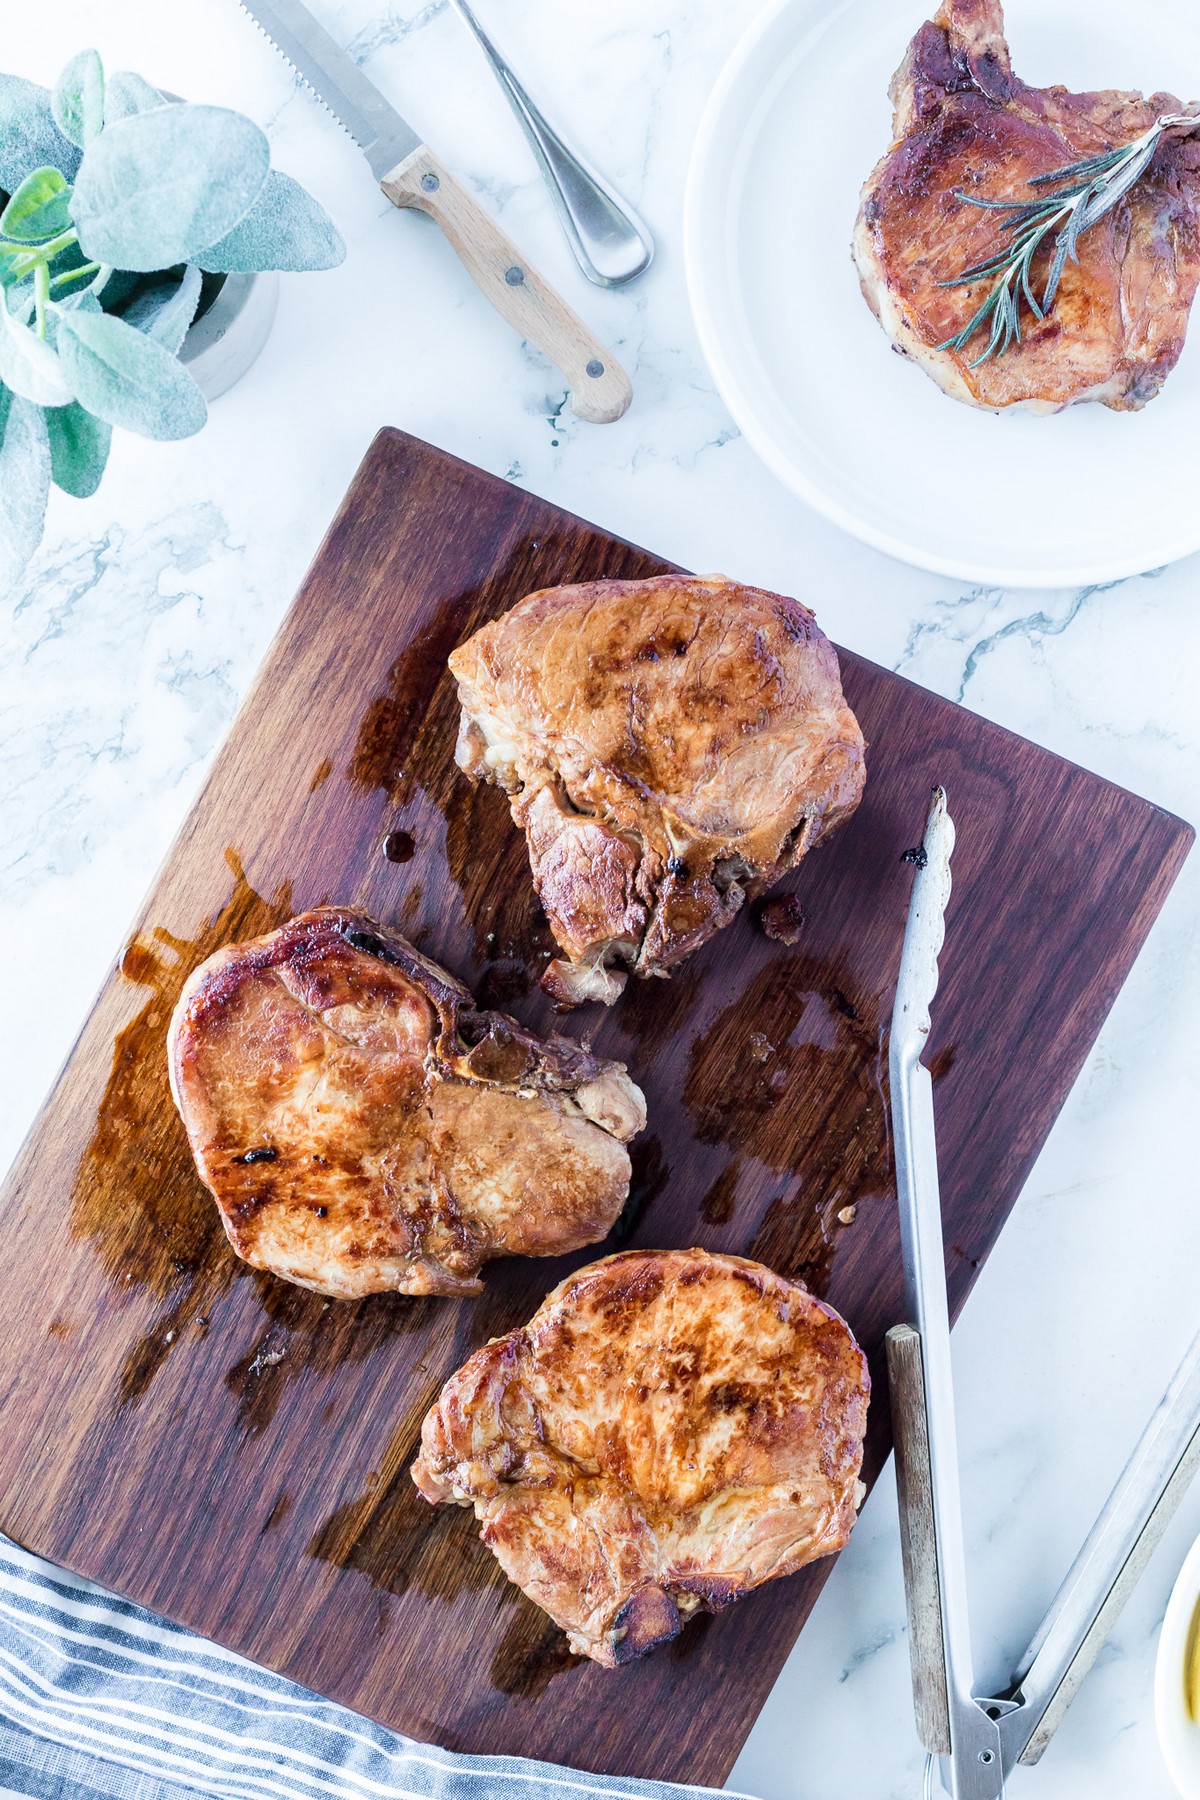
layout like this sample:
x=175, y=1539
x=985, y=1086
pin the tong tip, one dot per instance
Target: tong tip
x=925, y=931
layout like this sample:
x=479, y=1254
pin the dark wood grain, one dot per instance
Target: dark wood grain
x=234, y=1451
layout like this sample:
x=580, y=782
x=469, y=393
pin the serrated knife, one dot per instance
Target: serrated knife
x=411, y=175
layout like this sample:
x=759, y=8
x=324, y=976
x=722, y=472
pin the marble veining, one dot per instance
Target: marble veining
x=124, y=652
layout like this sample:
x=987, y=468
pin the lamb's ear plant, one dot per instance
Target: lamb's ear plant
x=122, y=213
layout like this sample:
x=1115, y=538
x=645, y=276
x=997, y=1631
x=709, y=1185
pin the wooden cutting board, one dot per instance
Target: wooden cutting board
x=233, y=1451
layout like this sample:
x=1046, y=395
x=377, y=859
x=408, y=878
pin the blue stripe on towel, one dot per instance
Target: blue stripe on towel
x=99, y=1698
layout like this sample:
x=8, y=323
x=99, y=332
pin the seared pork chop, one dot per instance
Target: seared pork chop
x=671, y=1429
x=363, y=1126
x=964, y=123
x=667, y=746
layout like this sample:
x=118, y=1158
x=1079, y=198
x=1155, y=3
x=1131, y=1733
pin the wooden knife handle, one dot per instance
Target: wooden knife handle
x=600, y=388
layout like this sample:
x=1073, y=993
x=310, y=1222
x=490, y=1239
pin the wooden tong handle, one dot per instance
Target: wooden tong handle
x=600, y=388
x=918, y=1544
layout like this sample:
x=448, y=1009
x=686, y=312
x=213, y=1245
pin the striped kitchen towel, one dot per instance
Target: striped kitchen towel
x=98, y=1697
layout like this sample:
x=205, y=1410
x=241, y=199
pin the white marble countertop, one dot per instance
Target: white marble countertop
x=142, y=620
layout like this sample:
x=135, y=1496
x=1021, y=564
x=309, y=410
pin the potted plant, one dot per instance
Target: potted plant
x=123, y=214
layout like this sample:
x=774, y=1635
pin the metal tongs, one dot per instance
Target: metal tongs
x=980, y=1738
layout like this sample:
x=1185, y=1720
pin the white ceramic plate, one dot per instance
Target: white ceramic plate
x=796, y=121
x=1178, y=1734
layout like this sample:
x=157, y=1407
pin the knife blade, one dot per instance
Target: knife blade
x=336, y=79
x=413, y=177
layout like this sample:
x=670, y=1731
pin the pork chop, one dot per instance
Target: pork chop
x=667, y=746
x=671, y=1429
x=362, y=1126
x=964, y=123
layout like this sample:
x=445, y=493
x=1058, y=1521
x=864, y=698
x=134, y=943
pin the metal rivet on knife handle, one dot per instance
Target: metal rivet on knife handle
x=611, y=244
x=600, y=388
x=411, y=175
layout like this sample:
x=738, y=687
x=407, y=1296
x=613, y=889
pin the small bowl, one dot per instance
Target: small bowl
x=1178, y=1731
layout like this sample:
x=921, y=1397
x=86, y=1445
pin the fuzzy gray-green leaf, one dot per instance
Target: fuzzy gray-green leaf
x=119, y=286
x=126, y=93
x=159, y=187
x=284, y=229
x=78, y=449
x=24, y=482
x=16, y=265
x=29, y=365
x=124, y=377
x=39, y=209
x=29, y=138
x=78, y=99
x=164, y=313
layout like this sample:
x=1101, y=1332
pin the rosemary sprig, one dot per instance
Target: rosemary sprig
x=1077, y=195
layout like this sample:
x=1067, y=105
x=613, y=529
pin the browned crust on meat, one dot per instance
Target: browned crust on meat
x=363, y=1126
x=669, y=1431
x=965, y=123
x=668, y=746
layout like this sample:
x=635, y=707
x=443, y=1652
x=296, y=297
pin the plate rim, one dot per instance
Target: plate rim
x=703, y=171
